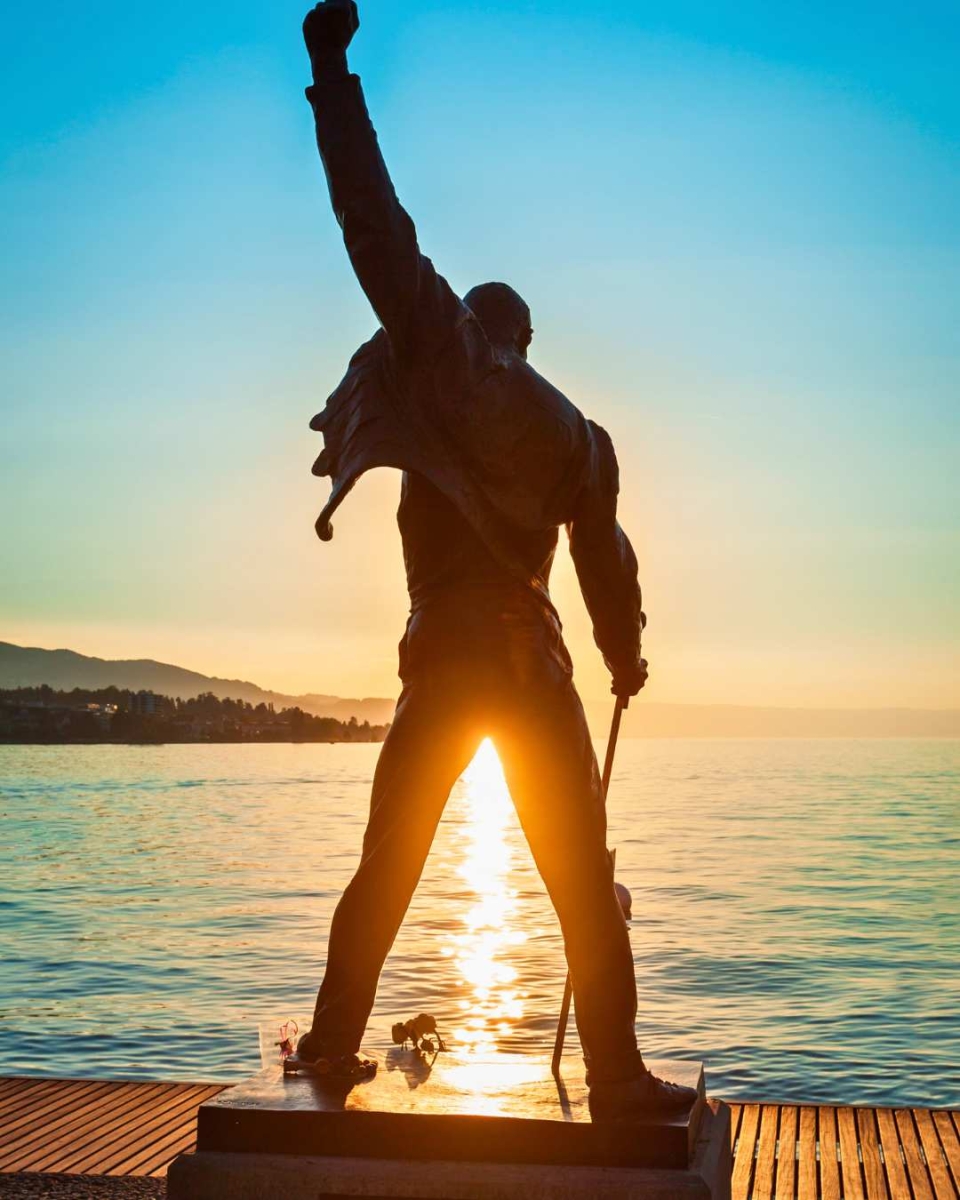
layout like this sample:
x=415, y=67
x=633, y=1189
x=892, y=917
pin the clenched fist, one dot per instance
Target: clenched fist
x=628, y=679
x=328, y=30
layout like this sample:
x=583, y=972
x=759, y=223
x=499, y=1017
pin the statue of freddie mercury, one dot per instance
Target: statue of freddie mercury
x=495, y=459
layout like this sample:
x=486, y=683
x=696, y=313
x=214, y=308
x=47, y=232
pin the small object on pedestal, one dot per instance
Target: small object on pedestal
x=417, y=1032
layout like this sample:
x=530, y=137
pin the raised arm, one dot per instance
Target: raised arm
x=607, y=570
x=415, y=305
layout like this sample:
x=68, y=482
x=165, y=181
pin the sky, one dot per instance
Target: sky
x=738, y=228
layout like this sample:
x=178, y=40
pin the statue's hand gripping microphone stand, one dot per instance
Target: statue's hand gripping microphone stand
x=622, y=894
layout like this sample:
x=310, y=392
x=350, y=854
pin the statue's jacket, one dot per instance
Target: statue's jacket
x=428, y=394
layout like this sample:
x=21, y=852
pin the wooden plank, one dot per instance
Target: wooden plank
x=108, y=1153
x=25, y=1092
x=950, y=1140
x=943, y=1187
x=16, y=1087
x=912, y=1158
x=24, y=1102
x=746, y=1149
x=735, y=1111
x=111, y=1152
x=874, y=1178
x=766, y=1164
x=15, y=1083
x=75, y=1109
x=72, y=1140
x=160, y=1147
x=35, y=1119
x=44, y=1149
x=894, y=1166
x=849, y=1154
x=829, y=1162
x=122, y=1154
x=43, y=1127
x=807, y=1179
x=787, y=1153
x=73, y=1154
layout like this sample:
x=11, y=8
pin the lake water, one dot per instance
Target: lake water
x=796, y=911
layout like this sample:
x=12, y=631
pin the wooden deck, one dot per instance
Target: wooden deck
x=785, y=1152
x=80, y=1127
x=781, y=1152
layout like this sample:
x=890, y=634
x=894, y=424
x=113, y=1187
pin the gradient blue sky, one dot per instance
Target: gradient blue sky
x=737, y=225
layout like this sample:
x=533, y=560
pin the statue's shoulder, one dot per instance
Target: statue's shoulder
x=539, y=396
x=554, y=426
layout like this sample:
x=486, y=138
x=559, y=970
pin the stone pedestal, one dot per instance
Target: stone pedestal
x=456, y=1129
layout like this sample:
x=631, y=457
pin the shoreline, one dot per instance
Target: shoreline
x=596, y=734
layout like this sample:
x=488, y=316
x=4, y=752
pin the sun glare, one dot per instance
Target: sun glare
x=492, y=1002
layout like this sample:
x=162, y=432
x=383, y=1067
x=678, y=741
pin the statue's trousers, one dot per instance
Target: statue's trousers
x=536, y=721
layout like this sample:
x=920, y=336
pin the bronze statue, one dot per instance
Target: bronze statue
x=495, y=459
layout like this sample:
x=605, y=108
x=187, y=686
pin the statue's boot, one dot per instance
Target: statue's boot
x=638, y=1099
x=311, y=1058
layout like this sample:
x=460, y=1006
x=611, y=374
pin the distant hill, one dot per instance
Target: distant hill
x=30, y=666
x=23, y=666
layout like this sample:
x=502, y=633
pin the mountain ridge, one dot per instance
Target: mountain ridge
x=32, y=666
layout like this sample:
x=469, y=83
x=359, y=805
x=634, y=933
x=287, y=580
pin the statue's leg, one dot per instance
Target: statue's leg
x=551, y=770
x=430, y=743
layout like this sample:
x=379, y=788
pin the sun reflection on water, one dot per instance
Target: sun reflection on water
x=492, y=1003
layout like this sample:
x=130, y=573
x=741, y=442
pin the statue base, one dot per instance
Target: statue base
x=451, y=1129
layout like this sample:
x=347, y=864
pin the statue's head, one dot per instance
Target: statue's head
x=503, y=314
